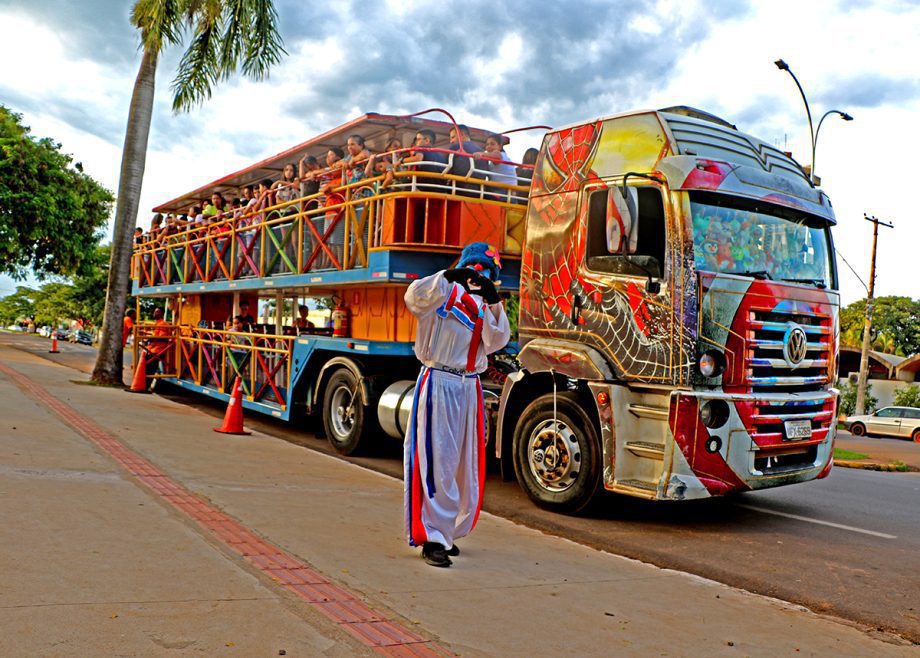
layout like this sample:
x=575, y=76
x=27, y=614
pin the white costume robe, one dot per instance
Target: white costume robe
x=445, y=442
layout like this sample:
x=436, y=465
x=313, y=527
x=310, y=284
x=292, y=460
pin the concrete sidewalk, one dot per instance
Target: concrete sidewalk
x=84, y=542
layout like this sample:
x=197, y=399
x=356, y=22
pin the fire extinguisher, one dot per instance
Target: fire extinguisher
x=341, y=320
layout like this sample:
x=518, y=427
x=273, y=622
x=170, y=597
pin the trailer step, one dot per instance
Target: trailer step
x=646, y=449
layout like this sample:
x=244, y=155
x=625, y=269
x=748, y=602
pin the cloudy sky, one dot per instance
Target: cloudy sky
x=69, y=66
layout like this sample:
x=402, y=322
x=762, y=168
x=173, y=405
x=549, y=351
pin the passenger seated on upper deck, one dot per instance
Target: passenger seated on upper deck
x=499, y=172
x=525, y=173
x=430, y=161
x=462, y=166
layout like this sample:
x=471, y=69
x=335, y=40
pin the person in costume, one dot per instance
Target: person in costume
x=461, y=320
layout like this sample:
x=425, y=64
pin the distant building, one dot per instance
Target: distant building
x=887, y=372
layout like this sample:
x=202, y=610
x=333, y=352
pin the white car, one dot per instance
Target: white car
x=901, y=422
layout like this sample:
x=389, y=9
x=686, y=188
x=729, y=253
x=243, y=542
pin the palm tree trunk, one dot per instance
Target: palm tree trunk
x=108, y=369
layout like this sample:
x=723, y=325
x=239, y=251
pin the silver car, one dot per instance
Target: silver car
x=902, y=422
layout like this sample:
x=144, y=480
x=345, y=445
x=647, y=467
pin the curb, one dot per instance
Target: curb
x=875, y=466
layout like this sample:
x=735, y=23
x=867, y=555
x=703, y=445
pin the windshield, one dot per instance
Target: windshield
x=735, y=236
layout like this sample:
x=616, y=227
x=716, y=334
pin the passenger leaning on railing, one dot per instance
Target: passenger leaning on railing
x=285, y=188
x=309, y=184
x=329, y=179
x=384, y=163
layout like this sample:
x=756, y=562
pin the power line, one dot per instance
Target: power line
x=837, y=251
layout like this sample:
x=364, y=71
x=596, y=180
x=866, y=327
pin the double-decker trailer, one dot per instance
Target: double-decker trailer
x=356, y=243
x=678, y=306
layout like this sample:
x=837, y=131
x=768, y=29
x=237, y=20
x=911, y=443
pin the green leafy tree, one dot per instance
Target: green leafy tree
x=55, y=304
x=848, y=399
x=895, y=325
x=18, y=305
x=223, y=36
x=909, y=396
x=51, y=213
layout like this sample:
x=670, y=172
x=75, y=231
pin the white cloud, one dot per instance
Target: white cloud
x=517, y=64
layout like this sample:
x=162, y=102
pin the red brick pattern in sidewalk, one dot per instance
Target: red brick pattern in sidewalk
x=337, y=603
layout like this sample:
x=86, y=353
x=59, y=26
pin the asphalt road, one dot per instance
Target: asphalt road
x=847, y=546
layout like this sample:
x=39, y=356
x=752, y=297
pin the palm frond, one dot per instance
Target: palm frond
x=159, y=22
x=198, y=70
x=227, y=34
x=263, y=45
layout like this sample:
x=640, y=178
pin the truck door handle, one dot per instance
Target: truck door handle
x=576, y=309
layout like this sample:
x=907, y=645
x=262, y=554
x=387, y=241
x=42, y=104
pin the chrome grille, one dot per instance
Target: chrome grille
x=770, y=415
x=767, y=369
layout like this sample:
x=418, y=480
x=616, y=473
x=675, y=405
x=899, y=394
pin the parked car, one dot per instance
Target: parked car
x=45, y=331
x=80, y=336
x=901, y=422
x=61, y=334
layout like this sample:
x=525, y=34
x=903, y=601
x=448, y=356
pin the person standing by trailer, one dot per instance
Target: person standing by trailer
x=461, y=320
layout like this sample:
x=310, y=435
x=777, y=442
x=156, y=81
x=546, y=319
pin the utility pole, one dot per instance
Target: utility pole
x=867, y=328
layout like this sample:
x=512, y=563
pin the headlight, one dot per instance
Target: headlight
x=714, y=413
x=711, y=363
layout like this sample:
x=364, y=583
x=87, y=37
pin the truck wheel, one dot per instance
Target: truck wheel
x=858, y=429
x=343, y=412
x=557, y=464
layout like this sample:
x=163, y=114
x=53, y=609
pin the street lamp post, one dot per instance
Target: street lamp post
x=814, y=143
x=783, y=66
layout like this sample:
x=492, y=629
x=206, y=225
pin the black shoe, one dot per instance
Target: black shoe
x=453, y=551
x=435, y=555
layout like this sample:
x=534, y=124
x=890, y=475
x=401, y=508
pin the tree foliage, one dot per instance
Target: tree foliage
x=18, y=305
x=895, y=325
x=848, y=399
x=59, y=301
x=51, y=214
x=909, y=396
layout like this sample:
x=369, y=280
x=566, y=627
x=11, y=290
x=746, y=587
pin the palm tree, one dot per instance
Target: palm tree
x=224, y=35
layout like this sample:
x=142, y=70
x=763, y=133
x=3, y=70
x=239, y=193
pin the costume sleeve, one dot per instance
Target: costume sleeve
x=496, y=331
x=424, y=296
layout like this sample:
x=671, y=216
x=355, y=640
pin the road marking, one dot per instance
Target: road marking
x=819, y=522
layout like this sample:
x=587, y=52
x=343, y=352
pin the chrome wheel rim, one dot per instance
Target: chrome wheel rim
x=554, y=456
x=343, y=411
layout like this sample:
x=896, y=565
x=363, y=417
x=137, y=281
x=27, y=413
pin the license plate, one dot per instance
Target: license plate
x=798, y=429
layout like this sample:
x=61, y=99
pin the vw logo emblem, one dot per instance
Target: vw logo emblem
x=795, y=345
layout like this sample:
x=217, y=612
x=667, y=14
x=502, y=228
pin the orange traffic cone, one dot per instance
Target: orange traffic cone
x=139, y=383
x=54, y=349
x=233, y=419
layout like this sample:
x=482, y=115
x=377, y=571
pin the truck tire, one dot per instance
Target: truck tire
x=344, y=420
x=858, y=429
x=558, y=466
x=916, y=435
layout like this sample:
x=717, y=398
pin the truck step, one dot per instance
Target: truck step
x=646, y=449
x=646, y=411
x=641, y=485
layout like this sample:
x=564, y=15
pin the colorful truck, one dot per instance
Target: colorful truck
x=678, y=320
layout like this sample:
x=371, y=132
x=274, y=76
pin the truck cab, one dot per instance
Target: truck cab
x=679, y=315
